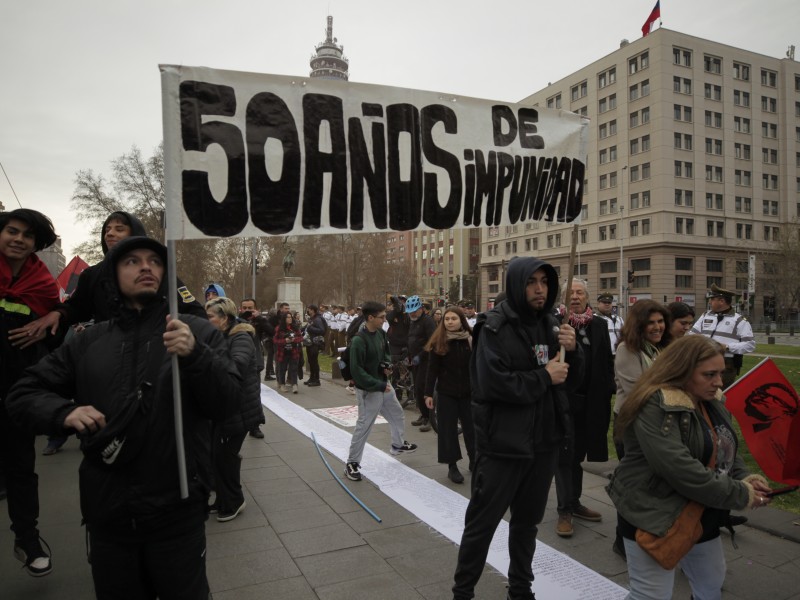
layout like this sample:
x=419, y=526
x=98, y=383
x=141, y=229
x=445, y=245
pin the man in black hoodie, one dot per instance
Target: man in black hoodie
x=112, y=385
x=520, y=410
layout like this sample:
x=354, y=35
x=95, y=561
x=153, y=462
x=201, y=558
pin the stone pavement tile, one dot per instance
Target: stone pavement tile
x=309, y=466
x=241, y=541
x=298, y=519
x=390, y=513
x=296, y=588
x=491, y=586
x=279, y=471
x=428, y=566
x=326, y=538
x=388, y=586
x=243, y=570
x=344, y=565
x=259, y=462
x=270, y=503
x=285, y=485
x=760, y=547
x=256, y=448
x=751, y=579
x=340, y=501
x=395, y=541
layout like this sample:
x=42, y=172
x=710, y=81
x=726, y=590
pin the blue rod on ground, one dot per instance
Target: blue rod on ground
x=341, y=483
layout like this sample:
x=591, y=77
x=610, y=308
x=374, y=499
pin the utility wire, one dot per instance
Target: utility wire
x=9, y=185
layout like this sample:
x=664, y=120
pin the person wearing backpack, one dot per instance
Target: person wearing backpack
x=369, y=364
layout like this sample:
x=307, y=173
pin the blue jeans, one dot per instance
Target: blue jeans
x=704, y=567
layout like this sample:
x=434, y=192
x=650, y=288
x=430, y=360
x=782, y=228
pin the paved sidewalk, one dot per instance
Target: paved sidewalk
x=301, y=537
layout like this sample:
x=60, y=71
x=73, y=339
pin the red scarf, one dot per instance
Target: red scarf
x=35, y=286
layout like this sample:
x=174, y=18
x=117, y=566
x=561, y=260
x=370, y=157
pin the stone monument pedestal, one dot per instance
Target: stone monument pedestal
x=289, y=291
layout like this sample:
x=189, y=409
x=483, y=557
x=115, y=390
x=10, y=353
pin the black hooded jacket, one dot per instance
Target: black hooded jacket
x=94, y=294
x=517, y=410
x=121, y=368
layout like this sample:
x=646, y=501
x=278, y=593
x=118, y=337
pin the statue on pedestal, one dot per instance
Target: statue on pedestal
x=288, y=262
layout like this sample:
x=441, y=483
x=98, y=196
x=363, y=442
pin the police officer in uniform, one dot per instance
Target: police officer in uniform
x=615, y=322
x=728, y=328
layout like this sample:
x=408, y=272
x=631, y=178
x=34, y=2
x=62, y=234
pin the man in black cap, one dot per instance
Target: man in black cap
x=469, y=312
x=112, y=385
x=727, y=327
x=615, y=322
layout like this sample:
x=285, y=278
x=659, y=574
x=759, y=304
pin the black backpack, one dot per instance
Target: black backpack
x=344, y=360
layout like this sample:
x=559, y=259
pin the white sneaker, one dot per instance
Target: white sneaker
x=350, y=389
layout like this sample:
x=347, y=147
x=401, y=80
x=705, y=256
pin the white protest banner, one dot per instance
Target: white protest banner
x=251, y=155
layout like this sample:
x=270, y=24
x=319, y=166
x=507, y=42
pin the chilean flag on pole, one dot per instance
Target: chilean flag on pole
x=656, y=14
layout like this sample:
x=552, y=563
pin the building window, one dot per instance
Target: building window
x=741, y=98
x=714, y=201
x=741, y=71
x=603, y=233
x=713, y=92
x=769, y=156
x=713, y=265
x=634, y=225
x=579, y=91
x=715, y=229
x=602, y=131
x=770, y=207
x=640, y=264
x=641, y=281
x=741, y=151
x=682, y=85
x=682, y=57
x=769, y=130
x=769, y=78
x=645, y=143
x=682, y=113
x=607, y=78
x=744, y=231
x=742, y=177
x=603, y=207
x=608, y=283
x=646, y=199
x=741, y=124
x=713, y=119
x=612, y=179
x=769, y=104
x=608, y=266
x=634, y=201
x=646, y=170
x=682, y=169
x=645, y=226
x=638, y=63
x=635, y=173
x=554, y=102
x=646, y=115
x=712, y=64
x=683, y=281
x=683, y=264
x=743, y=204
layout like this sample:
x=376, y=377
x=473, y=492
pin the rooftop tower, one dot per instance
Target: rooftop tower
x=329, y=62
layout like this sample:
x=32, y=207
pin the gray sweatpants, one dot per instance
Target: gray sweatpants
x=370, y=404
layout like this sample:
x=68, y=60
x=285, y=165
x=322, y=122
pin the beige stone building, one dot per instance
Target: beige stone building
x=693, y=165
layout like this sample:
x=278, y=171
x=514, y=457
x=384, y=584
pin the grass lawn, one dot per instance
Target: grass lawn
x=778, y=350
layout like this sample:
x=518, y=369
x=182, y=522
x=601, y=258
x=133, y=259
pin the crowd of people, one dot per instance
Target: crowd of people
x=524, y=389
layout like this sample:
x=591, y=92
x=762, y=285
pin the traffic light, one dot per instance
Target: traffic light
x=630, y=276
x=441, y=291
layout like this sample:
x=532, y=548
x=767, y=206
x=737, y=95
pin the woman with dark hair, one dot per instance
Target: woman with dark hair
x=645, y=334
x=680, y=446
x=229, y=435
x=316, y=331
x=437, y=316
x=288, y=343
x=27, y=291
x=682, y=318
x=449, y=350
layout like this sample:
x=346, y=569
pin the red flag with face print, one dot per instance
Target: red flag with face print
x=766, y=406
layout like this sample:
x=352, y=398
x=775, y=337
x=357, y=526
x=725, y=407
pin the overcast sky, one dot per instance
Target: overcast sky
x=80, y=81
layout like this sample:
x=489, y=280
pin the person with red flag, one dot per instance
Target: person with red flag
x=27, y=291
x=680, y=446
x=766, y=406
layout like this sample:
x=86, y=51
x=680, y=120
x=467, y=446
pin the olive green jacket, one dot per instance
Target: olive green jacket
x=662, y=467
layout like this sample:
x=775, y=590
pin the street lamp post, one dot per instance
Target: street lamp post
x=621, y=269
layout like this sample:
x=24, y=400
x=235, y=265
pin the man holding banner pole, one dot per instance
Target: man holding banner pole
x=146, y=529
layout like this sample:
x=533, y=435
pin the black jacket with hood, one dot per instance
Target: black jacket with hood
x=121, y=368
x=517, y=410
x=93, y=295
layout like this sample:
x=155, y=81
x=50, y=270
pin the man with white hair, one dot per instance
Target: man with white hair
x=589, y=409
